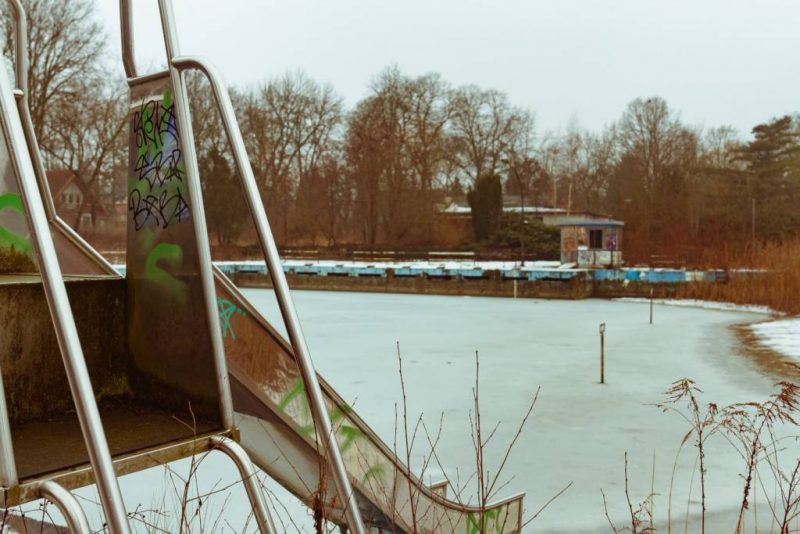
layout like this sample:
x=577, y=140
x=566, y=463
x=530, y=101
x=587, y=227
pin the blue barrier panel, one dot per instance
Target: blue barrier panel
x=641, y=275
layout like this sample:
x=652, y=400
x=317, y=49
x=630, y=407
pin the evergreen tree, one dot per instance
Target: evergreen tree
x=772, y=161
x=486, y=200
x=225, y=206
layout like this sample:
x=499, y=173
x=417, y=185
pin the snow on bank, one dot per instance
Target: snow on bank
x=782, y=336
x=705, y=304
x=421, y=264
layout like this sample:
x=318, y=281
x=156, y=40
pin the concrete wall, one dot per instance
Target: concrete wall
x=491, y=285
x=579, y=286
x=30, y=360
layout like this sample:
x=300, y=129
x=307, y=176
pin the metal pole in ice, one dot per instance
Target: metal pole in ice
x=602, y=353
x=651, y=304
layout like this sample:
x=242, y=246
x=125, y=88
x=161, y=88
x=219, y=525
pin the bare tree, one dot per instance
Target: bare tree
x=484, y=127
x=65, y=44
x=583, y=163
x=288, y=125
x=86, y=135
x=398, y=153
x=662, y=150
x=369, y=158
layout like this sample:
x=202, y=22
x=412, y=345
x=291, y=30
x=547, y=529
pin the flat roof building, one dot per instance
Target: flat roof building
x=590, y=241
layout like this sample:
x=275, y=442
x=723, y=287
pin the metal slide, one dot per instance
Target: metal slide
x=277, y=430
x=293, y=425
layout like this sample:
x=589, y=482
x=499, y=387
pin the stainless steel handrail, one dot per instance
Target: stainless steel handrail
x=273, y=261
x=126, y=34
x=21, y=48
x=186, y=135
x=61, y=313
x=8, y=465
x=67, y=505
x=250, y=481
x=21, y=64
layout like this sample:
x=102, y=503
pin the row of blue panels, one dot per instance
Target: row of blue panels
x=476, y=272
x=311, y=269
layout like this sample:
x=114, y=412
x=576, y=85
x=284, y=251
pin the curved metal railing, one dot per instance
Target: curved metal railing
x=248, y=473
x=67, y=505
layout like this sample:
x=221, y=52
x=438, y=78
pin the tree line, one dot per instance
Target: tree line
x=379, y=173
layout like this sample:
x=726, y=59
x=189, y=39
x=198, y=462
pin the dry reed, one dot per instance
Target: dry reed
x=766, y=274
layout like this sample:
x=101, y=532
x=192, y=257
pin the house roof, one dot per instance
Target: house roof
x=577, y=221
x=455, y=208
x=58, y=179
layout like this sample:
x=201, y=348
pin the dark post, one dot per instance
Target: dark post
x=602, y=353
x=521, y=221
x=651, y=304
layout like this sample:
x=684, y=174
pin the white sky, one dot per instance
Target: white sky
x=716, y=61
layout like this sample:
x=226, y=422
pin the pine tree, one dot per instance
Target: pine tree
x=772, y=160
x=486, y=200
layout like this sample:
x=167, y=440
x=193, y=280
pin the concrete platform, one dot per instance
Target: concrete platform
x=44, y=447
x=34, y=278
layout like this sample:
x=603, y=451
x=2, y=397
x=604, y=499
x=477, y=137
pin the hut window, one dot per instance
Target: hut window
x=595, y=239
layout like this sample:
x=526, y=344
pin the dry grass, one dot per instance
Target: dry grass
x=764, y=435
x=766, y=274
x=12, y=261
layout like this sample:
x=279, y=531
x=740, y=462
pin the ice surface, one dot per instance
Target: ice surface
x=579, y=430
x=705, y=304
x=781, y=335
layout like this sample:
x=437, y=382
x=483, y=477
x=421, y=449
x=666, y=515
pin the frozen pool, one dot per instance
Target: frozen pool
x=579, y=430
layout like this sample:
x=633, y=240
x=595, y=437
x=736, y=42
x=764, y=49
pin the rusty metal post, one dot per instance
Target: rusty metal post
x=602, y=353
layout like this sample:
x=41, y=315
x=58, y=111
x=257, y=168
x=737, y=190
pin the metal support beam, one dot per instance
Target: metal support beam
x=21, y=42
x=189, y=156
x=126, y=34
x=8, y=464
x=250, y=481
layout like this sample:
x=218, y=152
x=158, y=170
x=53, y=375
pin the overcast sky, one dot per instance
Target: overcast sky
x=719, y=62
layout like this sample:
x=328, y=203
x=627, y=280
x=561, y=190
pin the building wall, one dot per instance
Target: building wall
x=70, y=197
x=576, y=246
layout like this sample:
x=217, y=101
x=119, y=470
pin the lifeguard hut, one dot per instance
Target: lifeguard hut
x=591, y=241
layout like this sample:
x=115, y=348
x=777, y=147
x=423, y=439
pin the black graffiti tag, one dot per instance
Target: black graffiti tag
x=157, y=196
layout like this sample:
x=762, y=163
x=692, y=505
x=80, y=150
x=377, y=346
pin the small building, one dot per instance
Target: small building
x=455, y=217
x=591, y=241
x=76, y=204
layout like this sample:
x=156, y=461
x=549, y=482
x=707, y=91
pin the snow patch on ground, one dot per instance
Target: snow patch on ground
x=705, y=304
x=420, y=264
x=782, y=336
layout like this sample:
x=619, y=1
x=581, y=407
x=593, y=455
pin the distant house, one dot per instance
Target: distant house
x=456, y=215
x=589, y=240
x=76, y=205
